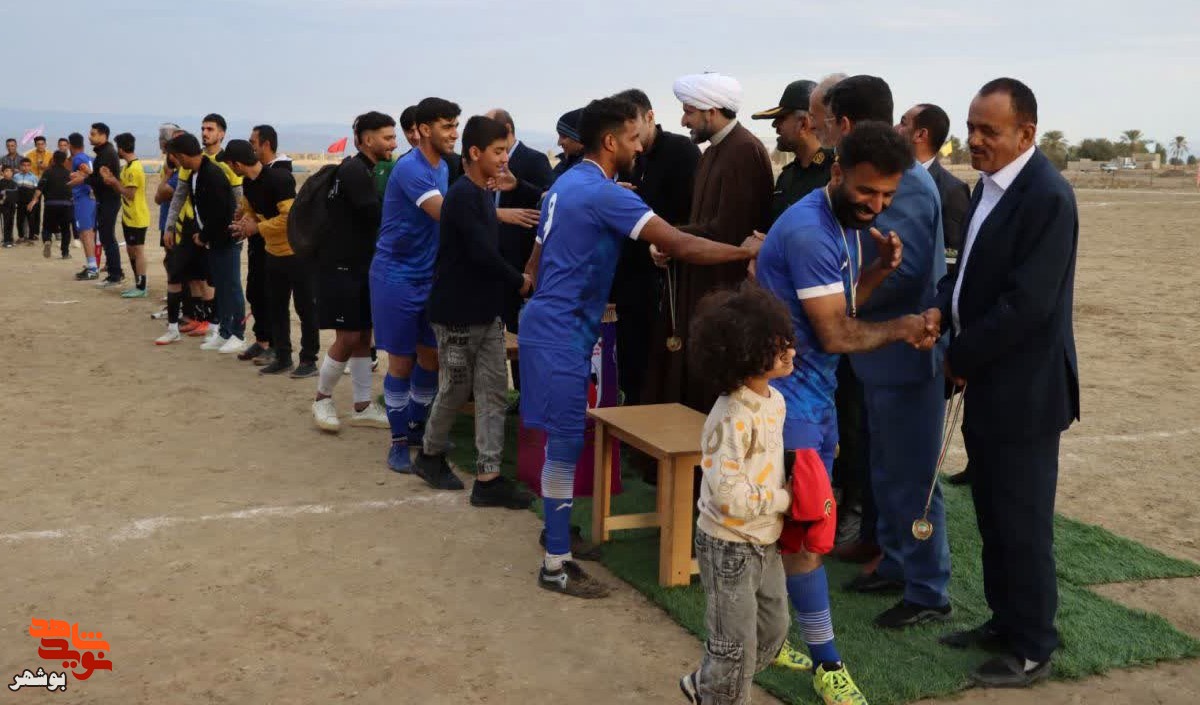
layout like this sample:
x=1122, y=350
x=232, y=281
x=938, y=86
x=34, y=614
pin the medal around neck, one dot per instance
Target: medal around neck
x=674, y=343
x=922, y=529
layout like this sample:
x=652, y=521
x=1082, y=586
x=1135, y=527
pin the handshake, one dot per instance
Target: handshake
x=922, y=331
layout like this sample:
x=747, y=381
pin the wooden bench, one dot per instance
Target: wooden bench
x=670, y=433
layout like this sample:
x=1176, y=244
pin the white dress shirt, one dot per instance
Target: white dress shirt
x=929, y=163
x=994, y=186
x=722, y=133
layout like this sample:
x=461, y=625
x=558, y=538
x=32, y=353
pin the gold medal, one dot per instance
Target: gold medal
x=674, y=343
x=922, y=529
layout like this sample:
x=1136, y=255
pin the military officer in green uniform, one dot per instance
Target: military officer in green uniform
x=797, y=134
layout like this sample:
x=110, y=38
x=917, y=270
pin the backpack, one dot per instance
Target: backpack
x=311, y=217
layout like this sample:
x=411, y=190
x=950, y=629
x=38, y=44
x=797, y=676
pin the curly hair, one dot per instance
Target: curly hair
x=737, y=334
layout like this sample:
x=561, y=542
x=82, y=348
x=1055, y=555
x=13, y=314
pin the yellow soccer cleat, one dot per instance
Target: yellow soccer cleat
x=793, y=659
x=836, y=687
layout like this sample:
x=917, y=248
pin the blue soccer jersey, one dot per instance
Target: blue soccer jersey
x=82, y=190
x=806, y=257
x=408, y=236
x=585, y=219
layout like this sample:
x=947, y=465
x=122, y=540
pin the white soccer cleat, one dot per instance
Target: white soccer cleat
x=325, y=415
x=172, y=335
x=373, y=417
x=233, y=345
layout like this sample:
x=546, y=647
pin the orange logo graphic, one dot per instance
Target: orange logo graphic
x=65, y=644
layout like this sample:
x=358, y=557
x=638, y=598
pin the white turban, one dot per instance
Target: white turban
x=707, y=91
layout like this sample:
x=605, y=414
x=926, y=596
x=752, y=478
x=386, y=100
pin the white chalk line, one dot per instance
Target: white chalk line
x=148, y=526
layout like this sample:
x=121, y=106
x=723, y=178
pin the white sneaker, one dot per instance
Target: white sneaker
x=325, y=415
x=172, y=335
x=233, y=345
x=373, y=416
x=214, y=342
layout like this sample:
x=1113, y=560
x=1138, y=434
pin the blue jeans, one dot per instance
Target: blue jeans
x=905, y=424
x=225, y=266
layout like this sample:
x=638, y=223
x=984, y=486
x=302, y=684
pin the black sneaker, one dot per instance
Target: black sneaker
x=571, y=580
x=305, y=369
x=1009, y=671
x=909, y=614
x=263, y=358
x=874, y=584
x=501, y=492
x=436, y=472
x=251, y=352
x=278, y=365
x=85, y=274
x=581, y=548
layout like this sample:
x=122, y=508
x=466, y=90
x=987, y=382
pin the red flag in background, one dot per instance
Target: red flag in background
x=338, y=147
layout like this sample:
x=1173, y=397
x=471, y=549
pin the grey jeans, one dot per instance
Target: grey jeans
x=470, y=359
x=747, y=617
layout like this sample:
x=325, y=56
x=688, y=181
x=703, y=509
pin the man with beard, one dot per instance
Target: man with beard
x=401, y=276
x=730, y=202
x=812, y=261
x=585, y=218
x=797, y=131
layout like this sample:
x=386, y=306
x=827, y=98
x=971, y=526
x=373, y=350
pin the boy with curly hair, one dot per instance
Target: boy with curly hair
x=741, y=339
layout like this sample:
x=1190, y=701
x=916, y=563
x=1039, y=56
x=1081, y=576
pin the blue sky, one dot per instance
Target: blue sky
x=1097, y=67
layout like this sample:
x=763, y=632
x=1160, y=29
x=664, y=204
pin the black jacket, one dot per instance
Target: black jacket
x=106, y=155
x=534, y=177
x=1016, y=350
x=212, y=199
x=956, y=199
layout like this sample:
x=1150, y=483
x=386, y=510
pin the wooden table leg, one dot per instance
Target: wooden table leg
x=675, y=543
x=601, y=482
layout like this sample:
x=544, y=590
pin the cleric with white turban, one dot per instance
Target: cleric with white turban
x=708, y=91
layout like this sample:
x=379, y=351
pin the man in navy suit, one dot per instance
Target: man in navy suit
x=902, y=386
x=1012, y=345
x=517, y=201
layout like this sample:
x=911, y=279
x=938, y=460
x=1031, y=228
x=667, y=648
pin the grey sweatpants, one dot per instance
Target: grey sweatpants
x=747, y=616
x=470, y=359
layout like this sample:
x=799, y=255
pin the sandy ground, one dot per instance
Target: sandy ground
x=187, y=508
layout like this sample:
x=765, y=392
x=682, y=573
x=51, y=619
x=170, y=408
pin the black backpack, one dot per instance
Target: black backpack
x=311, y=217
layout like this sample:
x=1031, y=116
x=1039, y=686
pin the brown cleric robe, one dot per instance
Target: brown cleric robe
x=731, y=199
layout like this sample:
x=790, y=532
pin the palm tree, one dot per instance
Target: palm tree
x=1134, y=139
x=1054, y=146
x=1178, y=148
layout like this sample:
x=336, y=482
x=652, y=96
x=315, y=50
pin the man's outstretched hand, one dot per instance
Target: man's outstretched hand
x=891, y=250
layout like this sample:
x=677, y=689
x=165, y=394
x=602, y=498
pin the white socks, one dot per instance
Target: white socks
x=331, y=372
x=361, y=377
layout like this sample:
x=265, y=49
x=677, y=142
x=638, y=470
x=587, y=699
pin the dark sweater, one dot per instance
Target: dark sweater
x=470, y=277
x=212, y=199
x=106, y=155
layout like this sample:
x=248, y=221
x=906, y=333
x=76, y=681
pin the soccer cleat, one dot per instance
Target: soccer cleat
x=571, y=580
x=213, y=342
x=399, y=458
x=836, y=687
x=792, y=658
x=233, y=345
x=172, y=335
x=199, y=330
x=325, y=415
x=373, y=416
x=305, y=369
x=436, y=472
x=690, y=685
x=502, y=492
x=134, y=293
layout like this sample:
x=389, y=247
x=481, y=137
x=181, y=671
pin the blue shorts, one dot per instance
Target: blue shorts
x=85, y=214
x=821, y=436
x=398, y=314
x=554, y=389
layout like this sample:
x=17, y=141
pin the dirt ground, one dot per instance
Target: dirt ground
x=231, y=553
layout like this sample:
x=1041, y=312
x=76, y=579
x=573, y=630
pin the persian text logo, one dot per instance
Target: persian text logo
x=65, y=644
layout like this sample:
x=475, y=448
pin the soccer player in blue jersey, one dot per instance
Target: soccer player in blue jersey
x=401, y=277
x=812, y=260
x=585, y=217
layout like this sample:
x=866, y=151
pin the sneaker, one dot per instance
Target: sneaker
x=792, y=658
x=266, y=358
x=214, y=342
x=836, y=687
x=501, y=492
x=109, y=282
x=172, y=335
x=399, y=458
x=581, y=548
x=436, y=472
x=372, y=417
x=325, y=415
x=874, y=584
x=277, y=366
x=1008, y=671
x=189, y=325
x=134, y=293
x=66, y=255
x=251, y=352
x=233, y=344
x=690, y=685
x=47, y=247
x=7, y=245
x=305, y=369
x=85, y=274
x=909, y=614
x=214, y=333
x=200, y=329
x=571, y=580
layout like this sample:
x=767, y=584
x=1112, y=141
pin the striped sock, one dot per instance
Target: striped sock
x=558, y=491
x=809, y=594
x=424, y=387
x=396, y=399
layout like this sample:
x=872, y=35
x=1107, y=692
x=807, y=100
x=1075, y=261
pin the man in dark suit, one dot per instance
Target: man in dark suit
x=1009, y=310
x=517, y=211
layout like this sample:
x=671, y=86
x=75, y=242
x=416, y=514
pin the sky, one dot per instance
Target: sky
x=1097, y=68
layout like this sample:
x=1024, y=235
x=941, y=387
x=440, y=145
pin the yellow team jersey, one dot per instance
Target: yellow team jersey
x=135, y=213
x=40, y=163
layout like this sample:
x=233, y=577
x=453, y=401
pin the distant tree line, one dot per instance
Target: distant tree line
x=1101, y=149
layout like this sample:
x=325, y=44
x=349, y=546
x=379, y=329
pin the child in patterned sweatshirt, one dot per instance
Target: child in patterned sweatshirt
x=741, y=339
